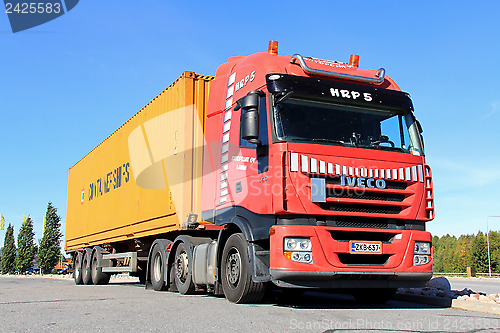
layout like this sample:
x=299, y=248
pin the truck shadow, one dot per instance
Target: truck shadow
x=309, y=300
x=326, y=300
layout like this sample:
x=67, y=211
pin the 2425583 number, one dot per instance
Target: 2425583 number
x=33, y=8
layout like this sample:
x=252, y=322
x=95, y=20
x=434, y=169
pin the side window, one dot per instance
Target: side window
x=263, y=135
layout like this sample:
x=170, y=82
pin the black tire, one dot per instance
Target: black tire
x=98, y=277
x=375, y=296
x=157, y=269
x=86, y=269
x=77, y=269
x=182, y=268
x=236, y=274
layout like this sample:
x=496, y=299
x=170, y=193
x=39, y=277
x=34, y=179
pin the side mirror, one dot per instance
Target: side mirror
x=419, y=127
x=250, y=118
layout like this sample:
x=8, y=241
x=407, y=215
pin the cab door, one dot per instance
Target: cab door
x=252, y=188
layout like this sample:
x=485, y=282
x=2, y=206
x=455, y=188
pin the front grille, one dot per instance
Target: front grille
x=361, y=224
x=345, y=236
x=332, y=193
x=390, y=184
x=361, y=208
x=343, y=198
x=363, y=259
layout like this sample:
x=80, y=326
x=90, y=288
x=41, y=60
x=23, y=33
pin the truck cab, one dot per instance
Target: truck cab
x=321, y=165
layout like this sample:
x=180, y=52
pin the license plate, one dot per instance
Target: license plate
x=356, y=247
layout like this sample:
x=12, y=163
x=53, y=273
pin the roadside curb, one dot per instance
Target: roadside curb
x=475, y=306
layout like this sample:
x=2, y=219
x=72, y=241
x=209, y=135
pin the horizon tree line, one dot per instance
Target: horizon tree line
x=451, y=254
x=454, y=255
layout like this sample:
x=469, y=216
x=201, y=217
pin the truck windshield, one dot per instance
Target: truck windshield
x=312, y=121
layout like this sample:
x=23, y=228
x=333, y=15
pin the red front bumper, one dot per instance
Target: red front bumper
x=334, y=267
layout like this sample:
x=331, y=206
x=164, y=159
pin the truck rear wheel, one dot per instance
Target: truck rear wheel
x=237, y=280
x=98, y=277
x=157, y=269
x=87, y=259
x=182, y=273
x=77, y=269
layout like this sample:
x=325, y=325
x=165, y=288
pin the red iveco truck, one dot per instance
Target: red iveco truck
x=290, y=170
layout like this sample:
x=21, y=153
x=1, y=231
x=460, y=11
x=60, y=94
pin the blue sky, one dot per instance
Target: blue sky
x=67, y=84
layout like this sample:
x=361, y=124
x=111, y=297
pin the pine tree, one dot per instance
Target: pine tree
x=437, y=250
x=49, y=251
x=479, y=253
x=9, y=252
x=495, y=251
x=25, y=246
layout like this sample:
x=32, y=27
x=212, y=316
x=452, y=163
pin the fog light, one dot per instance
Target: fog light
x=302, y=257
x=420, y=260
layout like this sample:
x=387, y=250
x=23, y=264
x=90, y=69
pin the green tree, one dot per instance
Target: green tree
x=50, y=250
x=495, y=251
x=437, y=251
x=479, y=253
x=9, y=252
x=25, y=246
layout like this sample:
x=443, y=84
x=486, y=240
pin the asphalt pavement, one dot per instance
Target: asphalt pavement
x=37, y=304
x=479, y=284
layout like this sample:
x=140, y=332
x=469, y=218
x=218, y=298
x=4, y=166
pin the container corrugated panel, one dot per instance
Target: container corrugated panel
x=146, y=177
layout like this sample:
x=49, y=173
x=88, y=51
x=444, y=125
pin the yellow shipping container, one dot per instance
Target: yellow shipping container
x=126, y=187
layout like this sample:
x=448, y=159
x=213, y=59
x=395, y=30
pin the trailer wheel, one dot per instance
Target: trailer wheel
x=98, y=277
x=237, y=280
x=376, y=296
x=77, y=269
x=182, y=273
x=157, y=269
x=86, y=269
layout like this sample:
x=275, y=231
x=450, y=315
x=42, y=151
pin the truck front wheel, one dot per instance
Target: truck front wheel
x=237, y=282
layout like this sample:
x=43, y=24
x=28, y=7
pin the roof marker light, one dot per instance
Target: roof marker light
x=273, y=47
x=354, y=61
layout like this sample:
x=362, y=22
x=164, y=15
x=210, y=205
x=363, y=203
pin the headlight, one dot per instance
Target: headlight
x=422, y=248
x=298, y=249
x=297, y=244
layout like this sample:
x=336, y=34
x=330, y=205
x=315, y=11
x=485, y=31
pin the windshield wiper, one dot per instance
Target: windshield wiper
x=328, y=141
x=284, y=97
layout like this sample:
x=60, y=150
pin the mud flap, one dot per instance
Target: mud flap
x=259, y=259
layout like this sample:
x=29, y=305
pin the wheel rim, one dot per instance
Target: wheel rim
x=86, y=267
x=233, y=268
x=157, y=267
x=78, y=271
x=93, y=268
x=182, y=266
